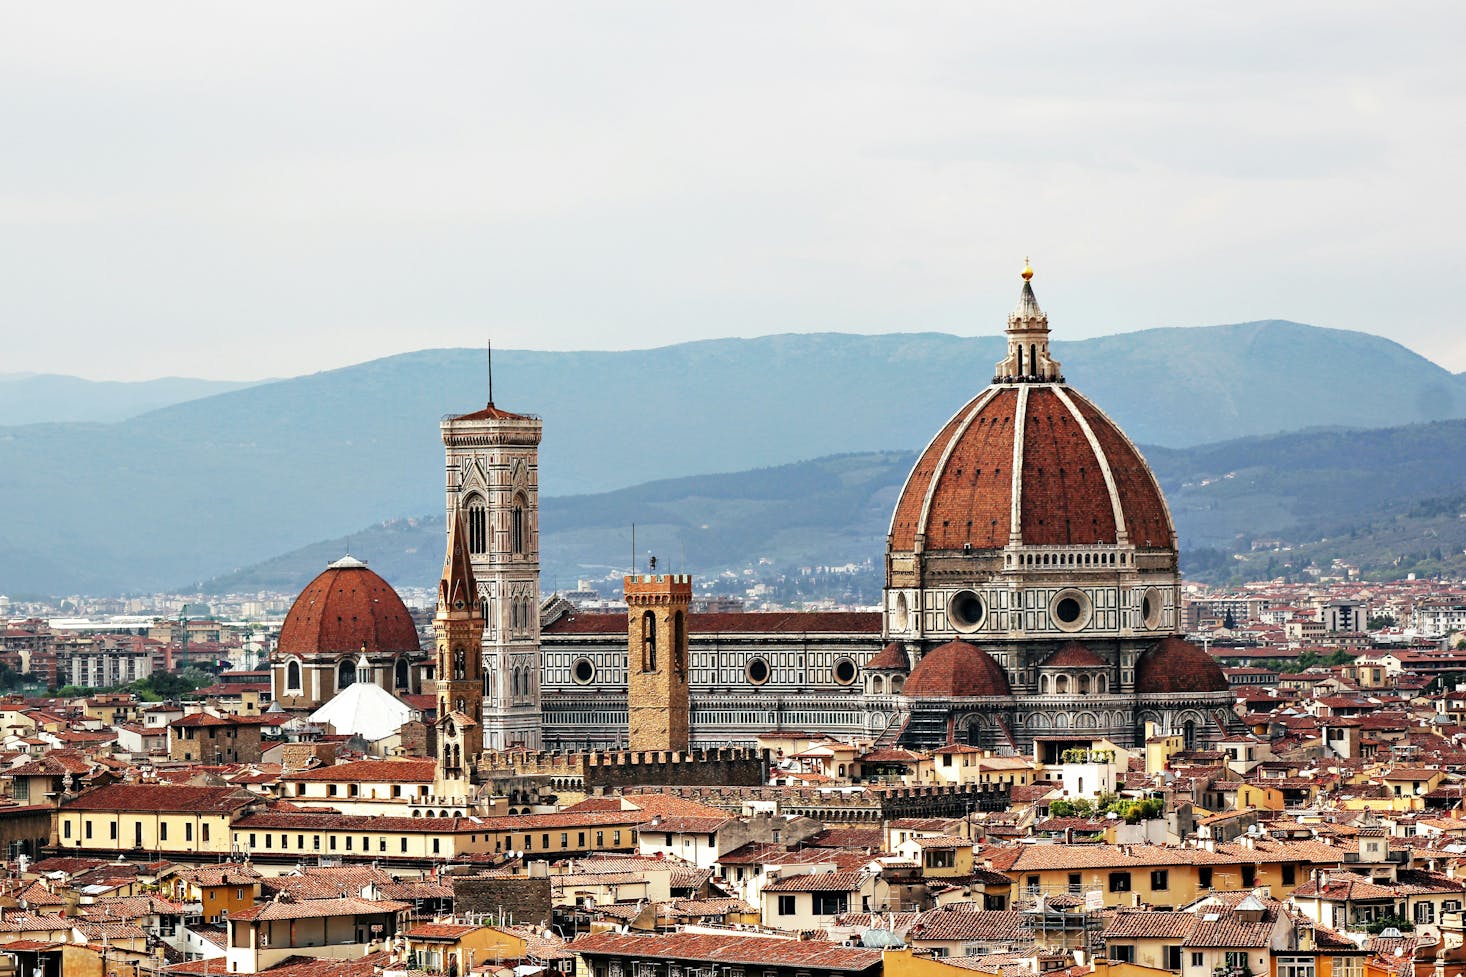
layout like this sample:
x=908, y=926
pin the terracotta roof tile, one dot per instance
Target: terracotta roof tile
x=161, y=797
x=720, y=948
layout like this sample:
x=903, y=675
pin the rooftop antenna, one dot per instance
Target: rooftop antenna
x=633, y=549
x=491, y=372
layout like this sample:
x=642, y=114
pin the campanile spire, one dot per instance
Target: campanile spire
x=1028, y=359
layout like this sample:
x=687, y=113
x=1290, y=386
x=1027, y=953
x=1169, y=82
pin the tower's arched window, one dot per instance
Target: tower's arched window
x=1033, y=358
x=516, y=525
x=648, y=642
x=292, y=676
x=514, y=684
x=487, y=690
x=400, y=674
x=478, y=525
x=1020, y=361
x=679, y=643
x=345, y=673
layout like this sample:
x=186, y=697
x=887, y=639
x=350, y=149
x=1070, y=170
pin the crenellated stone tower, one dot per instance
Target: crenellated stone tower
x=492, y=465
x=459, y=627
x=656, y=660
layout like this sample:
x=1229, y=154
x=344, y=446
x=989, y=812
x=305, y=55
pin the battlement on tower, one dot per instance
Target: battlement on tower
x=868, y=804
x=644, y=588
x=601, y=771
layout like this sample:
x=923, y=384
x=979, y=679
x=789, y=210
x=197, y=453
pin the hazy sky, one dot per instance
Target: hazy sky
x=266, y=189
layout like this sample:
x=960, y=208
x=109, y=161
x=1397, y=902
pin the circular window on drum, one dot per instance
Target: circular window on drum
x=1071, y=610
x=756, y=671
x=845, y=671
x=966, y=610
x=583, y=671
x=1150, y=609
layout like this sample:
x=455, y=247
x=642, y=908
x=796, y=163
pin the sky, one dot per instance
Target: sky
x=260, y=190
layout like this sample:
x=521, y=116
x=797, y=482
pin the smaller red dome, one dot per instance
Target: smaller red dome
x=957, y=669
x=1176, y=665
x=346, y=609
x=1074, y=655
x=892, y=658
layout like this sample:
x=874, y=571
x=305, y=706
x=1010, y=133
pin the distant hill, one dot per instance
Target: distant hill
x=189, y=490
x=1389, y=501
x=30, y=398
x=829, y=511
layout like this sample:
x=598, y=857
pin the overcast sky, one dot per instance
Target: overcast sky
x=267, y=189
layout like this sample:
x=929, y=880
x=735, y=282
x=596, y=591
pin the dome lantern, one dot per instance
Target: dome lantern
x=1028, y=359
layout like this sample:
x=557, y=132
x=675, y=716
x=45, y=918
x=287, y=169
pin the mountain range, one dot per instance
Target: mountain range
x=1388, y=501
x=191, y=490
x=35, y=398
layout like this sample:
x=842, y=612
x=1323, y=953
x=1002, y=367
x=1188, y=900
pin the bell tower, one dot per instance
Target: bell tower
x=492, y=477
x=459, y=630
x=656, y=660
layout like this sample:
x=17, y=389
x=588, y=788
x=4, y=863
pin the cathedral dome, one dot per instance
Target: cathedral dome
x=348, y=608
x=1176, y=665
x=1079, y=480
x=957, y=669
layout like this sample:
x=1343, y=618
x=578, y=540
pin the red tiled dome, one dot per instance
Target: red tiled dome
x=346, y=608
x=892, y=658
x=961, y=490
x=956, y=669
x=1176, y=665
x=1074, y=655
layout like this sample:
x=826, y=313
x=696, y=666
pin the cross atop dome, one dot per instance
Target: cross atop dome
x=1028, y=359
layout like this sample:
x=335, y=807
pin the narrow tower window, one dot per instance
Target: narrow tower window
x=516, y=526
x=679, y=643
x=648, y=642
x=345, y=673
x=478, y=526
x=292, y=677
